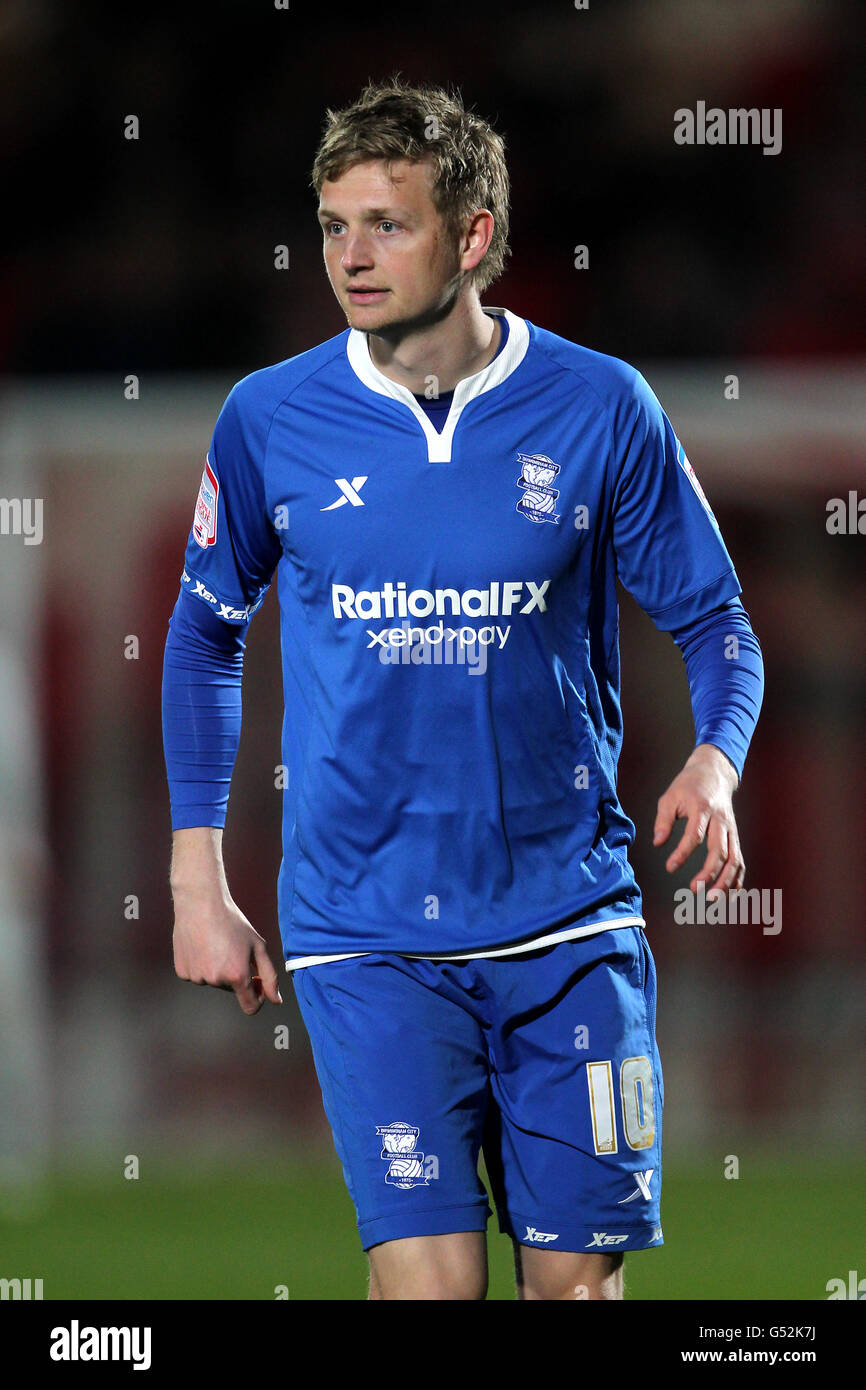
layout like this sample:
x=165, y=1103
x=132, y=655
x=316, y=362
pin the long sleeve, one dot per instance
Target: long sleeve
x=725, y=672
x=201, y=711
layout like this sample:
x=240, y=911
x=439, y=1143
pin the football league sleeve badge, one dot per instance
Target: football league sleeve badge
x=204, y=524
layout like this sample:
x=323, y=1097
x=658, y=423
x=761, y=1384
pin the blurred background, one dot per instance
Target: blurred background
x=153, y=1141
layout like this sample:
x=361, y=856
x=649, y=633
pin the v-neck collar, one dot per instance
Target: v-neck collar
x=502, y=365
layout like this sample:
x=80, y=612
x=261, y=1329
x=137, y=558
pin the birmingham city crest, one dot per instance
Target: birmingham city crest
x=405, y=1163
x=538, y=502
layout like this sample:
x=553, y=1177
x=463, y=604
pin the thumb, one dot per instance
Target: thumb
x=266, y=971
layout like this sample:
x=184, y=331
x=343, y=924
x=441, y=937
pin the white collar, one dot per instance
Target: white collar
x=496, y=371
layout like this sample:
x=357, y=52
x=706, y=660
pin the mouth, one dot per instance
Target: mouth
x=366, y=295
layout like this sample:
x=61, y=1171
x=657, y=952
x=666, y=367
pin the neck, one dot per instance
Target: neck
x=455, y=346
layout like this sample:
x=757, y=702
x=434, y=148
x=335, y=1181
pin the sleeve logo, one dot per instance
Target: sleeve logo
x=204, y=522
x=683, y=461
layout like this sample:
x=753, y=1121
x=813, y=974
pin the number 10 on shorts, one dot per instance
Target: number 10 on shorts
x=636, y=1094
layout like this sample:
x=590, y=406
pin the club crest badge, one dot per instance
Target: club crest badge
x=204, y=522
x=405, y=1163
x=538, y=502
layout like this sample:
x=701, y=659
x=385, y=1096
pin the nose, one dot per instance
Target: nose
x=356, y=251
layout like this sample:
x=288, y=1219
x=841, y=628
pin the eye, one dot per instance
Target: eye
x=387, y=223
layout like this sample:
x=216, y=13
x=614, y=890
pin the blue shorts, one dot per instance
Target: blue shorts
x=546, y=1062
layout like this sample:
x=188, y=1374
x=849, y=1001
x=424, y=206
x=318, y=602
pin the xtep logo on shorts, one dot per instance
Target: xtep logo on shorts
x=405, y=1163
x=540, y=1237
x=602, y=1238
x=643, y=1187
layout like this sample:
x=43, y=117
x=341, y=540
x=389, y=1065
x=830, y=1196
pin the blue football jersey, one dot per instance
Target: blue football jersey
x=449, y=631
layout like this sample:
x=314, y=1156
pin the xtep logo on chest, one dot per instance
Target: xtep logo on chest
x=500, y=599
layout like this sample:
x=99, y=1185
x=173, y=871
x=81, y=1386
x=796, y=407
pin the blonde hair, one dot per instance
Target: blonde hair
x=393, y=120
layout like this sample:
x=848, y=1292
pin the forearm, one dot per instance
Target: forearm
x=201, y=721
x=726, y=680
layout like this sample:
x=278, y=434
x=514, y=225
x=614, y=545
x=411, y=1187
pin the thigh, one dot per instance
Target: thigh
x=401, y=1058
x=573, y=1142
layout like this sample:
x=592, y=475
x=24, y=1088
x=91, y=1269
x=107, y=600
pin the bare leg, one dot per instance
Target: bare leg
x=430, y=1267
x=566, y=1275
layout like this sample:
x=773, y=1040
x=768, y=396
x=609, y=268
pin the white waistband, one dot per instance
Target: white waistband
x=536, y=944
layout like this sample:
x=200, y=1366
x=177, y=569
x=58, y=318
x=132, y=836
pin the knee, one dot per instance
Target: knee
x=456, y=1286
x=434, y=1285
x=443, y=1268
x=581, y=1278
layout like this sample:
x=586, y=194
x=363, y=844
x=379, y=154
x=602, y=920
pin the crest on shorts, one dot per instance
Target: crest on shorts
x=405, y=1163
x=538, y=502
x=204, y=523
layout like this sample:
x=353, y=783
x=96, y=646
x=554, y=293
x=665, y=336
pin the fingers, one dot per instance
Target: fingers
x=252, y=983
x=717, y=855
x=733, y=872
x=267, y=974
x=260, y=982
x=249, y=994
x=723, y=869
x=704, y=802
x=667, y=814
x=693, y=835
x=246, y=987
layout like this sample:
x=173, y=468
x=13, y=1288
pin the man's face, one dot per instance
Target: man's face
x=387, y=237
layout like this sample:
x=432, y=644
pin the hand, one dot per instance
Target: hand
x=702, y=795
x=214, y=944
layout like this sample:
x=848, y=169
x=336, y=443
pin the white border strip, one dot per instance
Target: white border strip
x=536, y=944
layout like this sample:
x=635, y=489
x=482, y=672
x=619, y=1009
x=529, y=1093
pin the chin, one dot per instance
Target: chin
x=370, y=319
